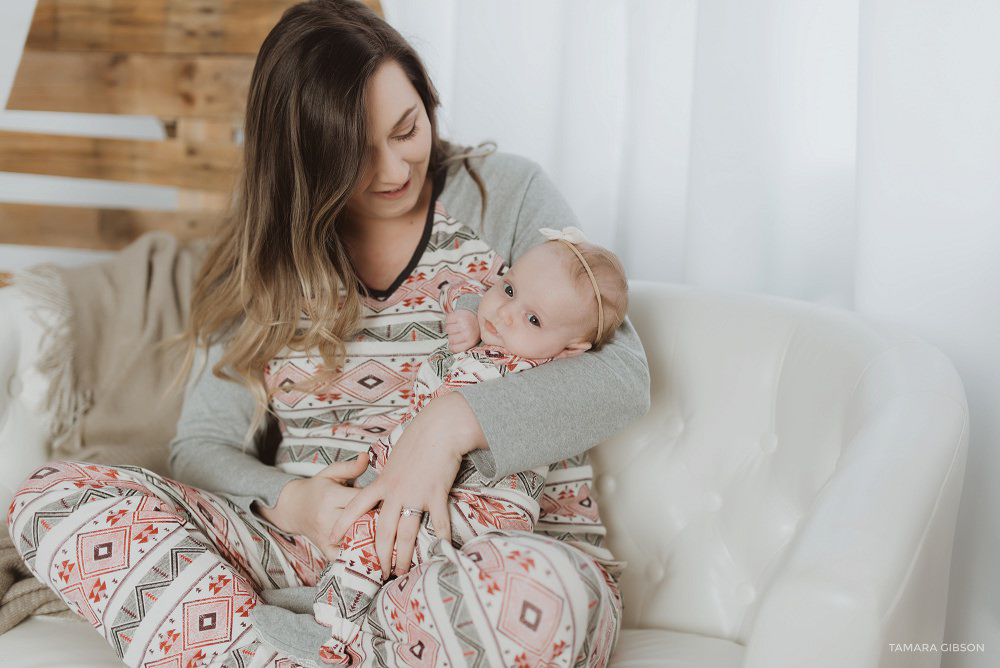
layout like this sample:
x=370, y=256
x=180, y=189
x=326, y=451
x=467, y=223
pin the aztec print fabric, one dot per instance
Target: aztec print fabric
x=166, y=573
x=397, y=333
x=505, y=599
x=376, y=389
x=476, y=505
x=170, y=575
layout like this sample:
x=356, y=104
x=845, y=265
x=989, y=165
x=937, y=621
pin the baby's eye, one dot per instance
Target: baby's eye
x=508, y=289
x=533, y=319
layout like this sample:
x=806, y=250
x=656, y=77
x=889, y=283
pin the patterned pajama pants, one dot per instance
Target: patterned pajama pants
x=351, y=582
x=169, y=576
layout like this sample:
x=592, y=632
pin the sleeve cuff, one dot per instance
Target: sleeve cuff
x=485, y=463
x=468, y=302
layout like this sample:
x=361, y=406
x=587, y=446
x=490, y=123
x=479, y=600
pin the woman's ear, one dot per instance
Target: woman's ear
x=573, y=349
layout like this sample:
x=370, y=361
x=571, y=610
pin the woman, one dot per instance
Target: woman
x=317, y=300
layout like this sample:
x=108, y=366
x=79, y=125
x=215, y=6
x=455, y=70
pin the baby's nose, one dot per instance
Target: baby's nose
x=506, y=314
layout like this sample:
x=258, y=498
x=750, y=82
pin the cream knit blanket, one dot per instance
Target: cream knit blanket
x=110, y=373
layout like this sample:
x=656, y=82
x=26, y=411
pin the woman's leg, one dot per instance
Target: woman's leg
x=351, y=581
x=164, y=571
x=504, y=599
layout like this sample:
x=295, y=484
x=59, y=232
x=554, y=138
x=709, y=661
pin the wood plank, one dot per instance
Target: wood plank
x=159, y=85
x=156, y=26
x=99, y=229
x=185, y=164
x=204, y=129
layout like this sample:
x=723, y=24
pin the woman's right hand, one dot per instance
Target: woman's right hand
x=311, y=506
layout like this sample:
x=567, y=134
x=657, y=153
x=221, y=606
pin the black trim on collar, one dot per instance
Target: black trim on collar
x=418, y=253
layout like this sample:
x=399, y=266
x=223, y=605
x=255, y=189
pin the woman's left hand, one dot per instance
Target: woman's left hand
x=419, y=474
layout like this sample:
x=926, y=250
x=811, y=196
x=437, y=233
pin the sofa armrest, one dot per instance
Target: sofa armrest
x=889, y=508
x=24, y=431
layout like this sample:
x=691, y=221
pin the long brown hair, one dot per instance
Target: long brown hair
x=277, y=255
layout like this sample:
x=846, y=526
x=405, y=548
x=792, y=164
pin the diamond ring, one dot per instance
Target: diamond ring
x=406, y=512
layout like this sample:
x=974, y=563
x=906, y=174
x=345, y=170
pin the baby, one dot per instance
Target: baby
x=561, y=298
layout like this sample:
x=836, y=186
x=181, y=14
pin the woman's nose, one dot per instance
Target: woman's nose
x=390, y=168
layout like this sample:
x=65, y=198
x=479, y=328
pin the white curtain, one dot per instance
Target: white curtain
x=837, y=151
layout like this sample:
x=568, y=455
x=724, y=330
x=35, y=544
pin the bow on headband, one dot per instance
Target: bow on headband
x=571, y=236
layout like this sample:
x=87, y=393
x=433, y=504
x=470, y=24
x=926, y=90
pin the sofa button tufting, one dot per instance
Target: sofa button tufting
x=746, y=593
x=769, y=442
x=14, y=386
x=655, y=573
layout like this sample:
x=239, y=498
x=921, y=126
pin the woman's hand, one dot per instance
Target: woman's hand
x=311, y=506
x=419, y=474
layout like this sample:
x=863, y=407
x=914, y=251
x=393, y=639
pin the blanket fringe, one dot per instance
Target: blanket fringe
x=66, y=402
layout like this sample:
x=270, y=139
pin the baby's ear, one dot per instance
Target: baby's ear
x=573, y=349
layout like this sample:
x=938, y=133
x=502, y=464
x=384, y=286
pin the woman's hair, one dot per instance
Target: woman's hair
x=611, y=281
x=277, y=256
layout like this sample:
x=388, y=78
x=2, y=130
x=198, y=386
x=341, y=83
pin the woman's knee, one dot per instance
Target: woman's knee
x=68, y=485
x=541, y=595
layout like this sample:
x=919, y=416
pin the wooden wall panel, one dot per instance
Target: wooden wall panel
x=184, y=164
x=156, y=26
x=118, y=83
x=100, y=229
x=185, y=62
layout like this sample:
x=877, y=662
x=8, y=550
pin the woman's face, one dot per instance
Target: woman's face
x=400, y=145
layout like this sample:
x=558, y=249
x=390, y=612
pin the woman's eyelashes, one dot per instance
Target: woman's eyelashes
x=409, y=135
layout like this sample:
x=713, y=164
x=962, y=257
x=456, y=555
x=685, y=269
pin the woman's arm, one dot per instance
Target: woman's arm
x=559, y=409
x=211, y=449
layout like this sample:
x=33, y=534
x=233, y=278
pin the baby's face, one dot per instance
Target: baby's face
x=537, y=310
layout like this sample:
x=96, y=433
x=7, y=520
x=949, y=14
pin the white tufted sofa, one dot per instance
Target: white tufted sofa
x=789, y=500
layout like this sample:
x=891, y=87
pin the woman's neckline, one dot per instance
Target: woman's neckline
x=418, y=251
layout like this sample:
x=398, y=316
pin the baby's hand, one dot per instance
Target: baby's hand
x=462, y=328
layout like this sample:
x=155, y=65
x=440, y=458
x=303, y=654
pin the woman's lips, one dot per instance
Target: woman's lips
x=393, y=194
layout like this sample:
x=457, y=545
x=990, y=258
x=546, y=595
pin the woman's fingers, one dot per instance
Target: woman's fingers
x=406, y=541
x=440, y=520
x=344, y=471
x=385, y=536
x=363, y=501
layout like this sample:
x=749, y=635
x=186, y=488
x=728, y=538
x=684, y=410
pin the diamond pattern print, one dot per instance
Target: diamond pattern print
x=420, y=650
x=100, y=552
x=371, y=381
x=531, y=613
x=207, y=621
x=280, y=383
